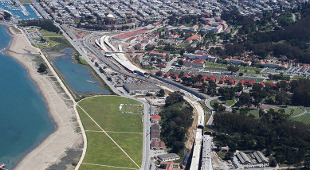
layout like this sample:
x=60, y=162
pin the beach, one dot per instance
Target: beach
x=61, y=107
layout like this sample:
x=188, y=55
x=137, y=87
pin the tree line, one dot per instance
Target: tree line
x=176, y=119
x=47, y=25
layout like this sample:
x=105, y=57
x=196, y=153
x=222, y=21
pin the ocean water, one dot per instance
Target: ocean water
x=78, y=77
x=24, y=117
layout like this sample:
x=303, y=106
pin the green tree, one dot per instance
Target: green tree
x=42, y=68
x=233, y=68
x=7, y=15
x=173, y=98
x=161, y=93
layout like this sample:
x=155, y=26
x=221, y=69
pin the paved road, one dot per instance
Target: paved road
x=169, y=64
x=87, y=42
x=208, y=102
x=146, y=118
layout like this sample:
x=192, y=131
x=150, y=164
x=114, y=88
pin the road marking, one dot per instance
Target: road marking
x=109, y=136
x=108, y=166
x=113, y=132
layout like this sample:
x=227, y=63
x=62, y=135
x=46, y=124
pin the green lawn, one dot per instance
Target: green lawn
x=213, y=102
x=254, y=113
x=292, y=111
x=304, y=118
x=216, y=68
x=48, y=33
x=229, y=102
x=100, y=148
x=132, y=108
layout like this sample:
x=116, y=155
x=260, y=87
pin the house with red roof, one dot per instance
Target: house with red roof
x=169, y=166
x=271, y=84
x=157, y=145
x=198, y=63
x=161, y=65
x=248, y=83
x=209, y=78
x=193, y=38
x=155, y=119
x=198, y=85
x=230, y=81
x=156, y=53
x=194, y=28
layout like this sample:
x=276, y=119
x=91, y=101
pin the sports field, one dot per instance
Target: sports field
x=114, y=137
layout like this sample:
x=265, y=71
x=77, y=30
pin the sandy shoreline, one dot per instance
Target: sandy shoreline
x=61, y=109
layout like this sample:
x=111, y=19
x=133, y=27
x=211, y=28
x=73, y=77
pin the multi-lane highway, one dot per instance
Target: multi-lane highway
x=88, y=43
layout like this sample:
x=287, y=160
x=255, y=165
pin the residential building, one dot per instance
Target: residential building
x=157, y=145
x=169, y=166
x=155, y=119
x=155, y=133
x=229, y=81
x=168, y=157
x=193, y=38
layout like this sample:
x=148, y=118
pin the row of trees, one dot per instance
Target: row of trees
x=43, y=24
x=176, y=119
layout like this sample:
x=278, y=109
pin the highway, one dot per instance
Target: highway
x=88, y=42
x=146, y=110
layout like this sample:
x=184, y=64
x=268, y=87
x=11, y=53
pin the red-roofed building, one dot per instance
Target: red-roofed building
x=94, y=59
x=169, y=166
x=193, y=38
x=248, y=83
x=1, y=16
x=198, y=63
x=209, y=78
x=230, y=81
x=161, y=65
x=194, y=28
x=130, y=34
x=155, y=118
x=198, y=85
x=271, y=84
x=77, y=36
x=156, y=145
x=155, y=53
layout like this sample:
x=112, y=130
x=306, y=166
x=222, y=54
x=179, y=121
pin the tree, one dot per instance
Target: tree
x=180, y=62
x=161, y=93
x=173, y=98
x=233, y=68
x=42, y=68
x=7, y=15
x=281, y=97
x=272, y=162
x=158, y=73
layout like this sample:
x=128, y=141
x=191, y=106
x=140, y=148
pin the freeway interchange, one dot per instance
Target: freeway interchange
x=87, y=46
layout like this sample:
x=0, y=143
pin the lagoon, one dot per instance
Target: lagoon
x=77, y=76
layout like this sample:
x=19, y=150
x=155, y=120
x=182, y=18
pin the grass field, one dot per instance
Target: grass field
x=125, y=129
x=304, y=118
x=228, y=102
x=56, y=42
x=292, y=111
x=131, y=108
x=213, y=102
x=254, y=113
